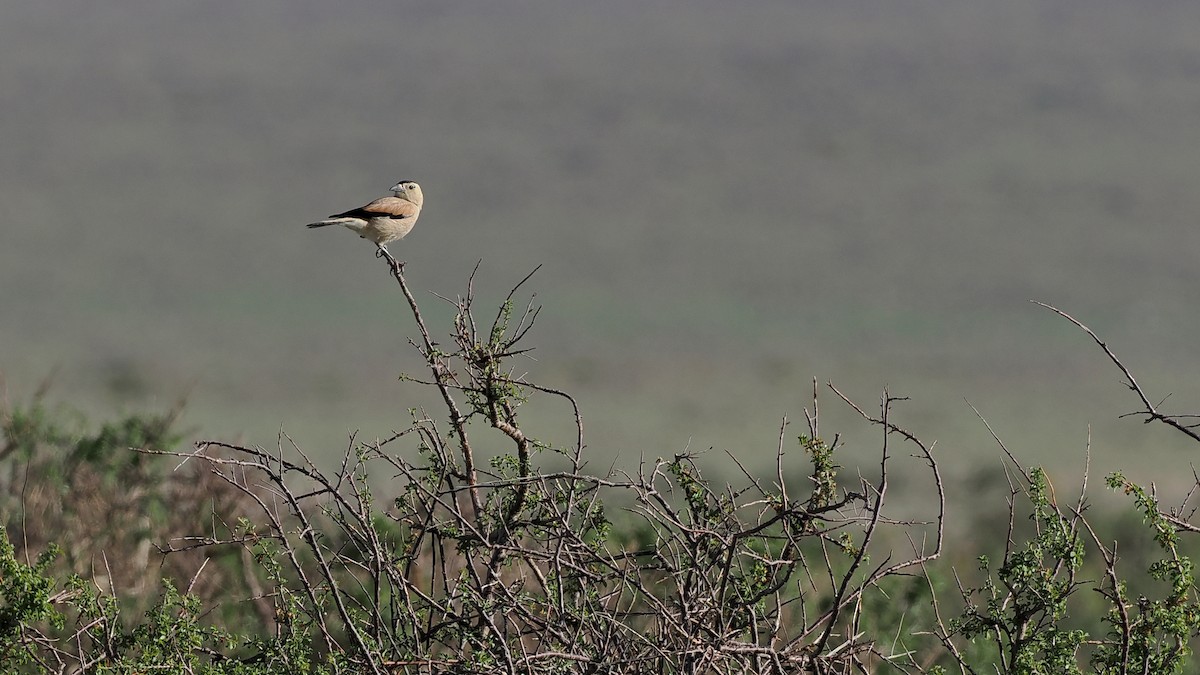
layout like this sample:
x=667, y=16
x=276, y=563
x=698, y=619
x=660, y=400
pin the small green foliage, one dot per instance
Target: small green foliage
x=1152, y=635
x=824, y=472
x=26, y=594
x=1025, y=599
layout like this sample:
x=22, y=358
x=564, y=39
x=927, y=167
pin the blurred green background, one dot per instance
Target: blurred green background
x=729, y=199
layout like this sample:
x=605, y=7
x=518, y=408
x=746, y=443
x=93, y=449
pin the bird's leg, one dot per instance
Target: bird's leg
x=384, y=253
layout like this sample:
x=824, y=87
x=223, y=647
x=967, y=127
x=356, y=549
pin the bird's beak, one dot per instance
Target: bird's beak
x=398, y=187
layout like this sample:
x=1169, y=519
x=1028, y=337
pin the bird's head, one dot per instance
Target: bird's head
x=406, y=189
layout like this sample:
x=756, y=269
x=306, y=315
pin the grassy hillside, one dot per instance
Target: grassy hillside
x=728, y=201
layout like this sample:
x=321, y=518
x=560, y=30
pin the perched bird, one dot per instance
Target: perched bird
x=384, y=220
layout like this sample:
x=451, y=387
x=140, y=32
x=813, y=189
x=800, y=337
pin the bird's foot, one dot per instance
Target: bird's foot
x=384, y=253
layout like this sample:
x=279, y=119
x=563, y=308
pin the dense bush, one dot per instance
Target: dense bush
x=489, y=549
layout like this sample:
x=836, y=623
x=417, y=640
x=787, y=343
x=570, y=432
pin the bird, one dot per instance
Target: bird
x=384, y=220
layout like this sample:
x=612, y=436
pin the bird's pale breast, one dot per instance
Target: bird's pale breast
x=384, y=230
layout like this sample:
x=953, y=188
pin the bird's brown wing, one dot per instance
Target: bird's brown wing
x=384, y=207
